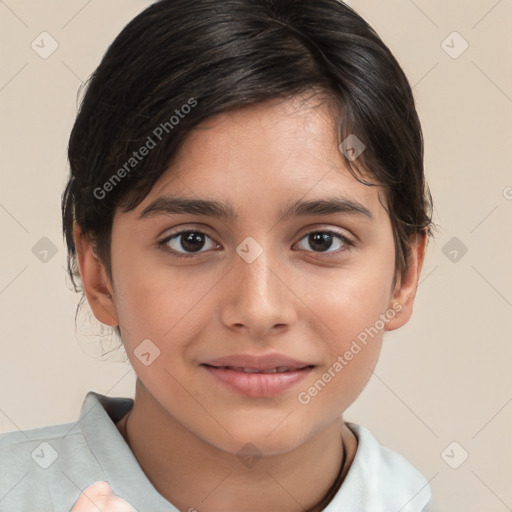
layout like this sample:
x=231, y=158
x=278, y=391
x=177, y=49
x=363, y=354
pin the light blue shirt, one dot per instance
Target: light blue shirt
x=45, y=469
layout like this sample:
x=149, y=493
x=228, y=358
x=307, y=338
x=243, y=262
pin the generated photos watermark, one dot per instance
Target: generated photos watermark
x=304, y=397
x=152, y=141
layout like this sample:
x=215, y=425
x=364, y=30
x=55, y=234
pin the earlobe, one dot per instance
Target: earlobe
x=96, y=284
x=405, y=290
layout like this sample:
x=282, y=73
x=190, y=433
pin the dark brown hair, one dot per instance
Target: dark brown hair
x=223, y=55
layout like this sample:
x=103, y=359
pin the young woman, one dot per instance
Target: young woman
x=247, y=208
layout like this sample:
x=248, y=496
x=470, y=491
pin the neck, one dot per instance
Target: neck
x=195, y=476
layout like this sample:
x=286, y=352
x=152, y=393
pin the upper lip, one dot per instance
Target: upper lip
x=265, y=362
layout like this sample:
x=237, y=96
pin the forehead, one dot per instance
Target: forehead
x=269, y=154
x=273, y=135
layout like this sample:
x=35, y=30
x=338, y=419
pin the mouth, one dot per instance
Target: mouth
x=258, y=383
x=277, y=369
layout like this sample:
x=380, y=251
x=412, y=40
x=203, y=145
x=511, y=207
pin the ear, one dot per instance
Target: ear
x=97, y=287
x=402, y=299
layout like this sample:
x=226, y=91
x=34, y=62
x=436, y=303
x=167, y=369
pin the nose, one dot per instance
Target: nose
x=258, y=296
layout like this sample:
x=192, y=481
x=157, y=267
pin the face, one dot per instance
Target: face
x=310, y=285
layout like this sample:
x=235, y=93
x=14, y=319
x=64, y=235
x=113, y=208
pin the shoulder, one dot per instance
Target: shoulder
x=380, y=480
x=30, y=463
x=373, y=454
x=45, y=468
x=40, y=447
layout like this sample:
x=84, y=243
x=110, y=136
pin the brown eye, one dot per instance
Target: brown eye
x=323, y=241
x=185, y=243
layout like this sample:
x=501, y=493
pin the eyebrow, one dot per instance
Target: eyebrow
x=167, y=205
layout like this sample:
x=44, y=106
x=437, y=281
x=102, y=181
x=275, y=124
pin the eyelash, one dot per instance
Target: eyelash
x=163, y=243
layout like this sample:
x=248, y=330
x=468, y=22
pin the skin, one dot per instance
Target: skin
x=99, y=496
x=186, y=428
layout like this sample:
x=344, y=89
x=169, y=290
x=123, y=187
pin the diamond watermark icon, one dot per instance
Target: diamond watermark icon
x=44, y=250
x=454, y=455
x=249, y=455
x=45, y=455
x=146, y=352
x=454, y=250
x=455, y=45
x=352, y=147
x=249, y=249
x=44, y=45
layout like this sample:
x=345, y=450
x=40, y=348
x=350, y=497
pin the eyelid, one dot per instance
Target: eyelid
x=328, y=228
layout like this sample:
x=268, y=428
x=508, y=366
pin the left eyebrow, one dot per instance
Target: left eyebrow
x=183, y=205
x=327, y=206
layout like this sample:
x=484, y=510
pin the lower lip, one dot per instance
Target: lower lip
x=258, y=385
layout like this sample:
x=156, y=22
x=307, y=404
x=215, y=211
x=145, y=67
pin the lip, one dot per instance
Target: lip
x=257, y=385
x=263, y=362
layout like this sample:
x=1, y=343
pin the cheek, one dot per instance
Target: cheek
x=161, y=303
x=335, y=387
x=349, y=309
x=352, y=354
x=349, y=301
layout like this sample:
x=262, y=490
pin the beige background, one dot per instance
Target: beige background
x=446, y=376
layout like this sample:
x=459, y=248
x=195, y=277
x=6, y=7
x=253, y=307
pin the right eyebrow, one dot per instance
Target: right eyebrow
x=184, y=205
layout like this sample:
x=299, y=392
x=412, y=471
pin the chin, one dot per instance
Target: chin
x=262, y=440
